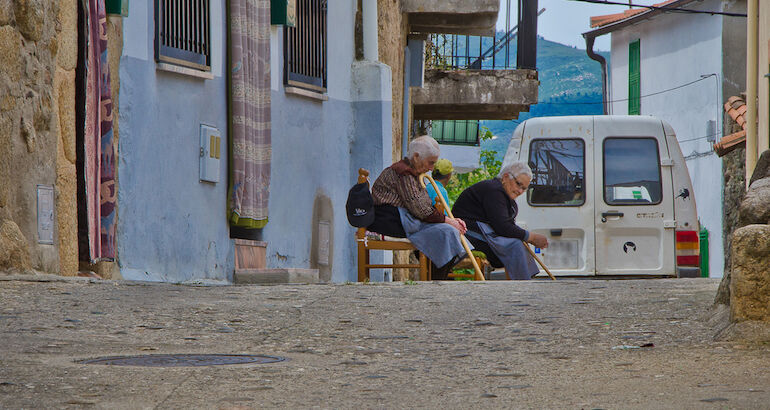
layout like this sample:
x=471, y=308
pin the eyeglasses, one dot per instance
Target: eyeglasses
x=519, y=184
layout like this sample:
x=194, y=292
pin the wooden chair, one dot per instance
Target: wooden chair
x=386, y=244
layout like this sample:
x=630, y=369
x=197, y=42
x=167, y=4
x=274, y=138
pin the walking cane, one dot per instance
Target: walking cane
x=526, y=245
x=479, y=275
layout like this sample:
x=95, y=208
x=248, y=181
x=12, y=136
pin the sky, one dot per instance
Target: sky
x=563, y=21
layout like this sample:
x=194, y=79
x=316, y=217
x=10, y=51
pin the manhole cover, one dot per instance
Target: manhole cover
x=183, y=360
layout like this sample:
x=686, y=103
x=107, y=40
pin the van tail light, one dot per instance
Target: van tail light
x=687, y=248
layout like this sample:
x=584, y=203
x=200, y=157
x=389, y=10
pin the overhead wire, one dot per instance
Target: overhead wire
x=625, y=99
x=714, y=135
x=663, y=8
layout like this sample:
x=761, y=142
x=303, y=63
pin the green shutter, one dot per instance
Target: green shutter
x=455, y=132
x=634, y=77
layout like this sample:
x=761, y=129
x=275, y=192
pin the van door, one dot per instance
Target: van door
x=559, y=205
x=633, y=200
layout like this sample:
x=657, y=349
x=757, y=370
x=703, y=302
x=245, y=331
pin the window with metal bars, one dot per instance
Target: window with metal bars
x=304, y=49
x=182, y=33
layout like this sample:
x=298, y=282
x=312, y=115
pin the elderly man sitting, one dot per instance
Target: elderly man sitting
x=403, y=208
x=489, y=208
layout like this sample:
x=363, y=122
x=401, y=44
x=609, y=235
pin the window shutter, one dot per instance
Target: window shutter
x=634, y=77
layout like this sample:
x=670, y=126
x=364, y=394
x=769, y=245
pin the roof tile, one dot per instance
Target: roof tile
x=599, y=21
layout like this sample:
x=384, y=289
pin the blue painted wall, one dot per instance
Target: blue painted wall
x=171, y=227
x=318, y=147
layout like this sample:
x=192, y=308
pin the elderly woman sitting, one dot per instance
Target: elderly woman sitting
x=403, y=208
x=489, y=208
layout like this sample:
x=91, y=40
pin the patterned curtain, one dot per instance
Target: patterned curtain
x=249, y=112
x=99, y=159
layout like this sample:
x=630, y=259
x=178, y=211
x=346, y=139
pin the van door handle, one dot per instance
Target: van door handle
x=611, y=213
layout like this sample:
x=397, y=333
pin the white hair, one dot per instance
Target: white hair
x=425, y=146
x=515, y=169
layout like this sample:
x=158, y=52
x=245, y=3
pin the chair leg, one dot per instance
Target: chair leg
x=424, y=268
x=362, y=261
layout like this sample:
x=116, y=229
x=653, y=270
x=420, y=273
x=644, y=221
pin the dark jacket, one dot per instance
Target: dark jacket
x=487, y=202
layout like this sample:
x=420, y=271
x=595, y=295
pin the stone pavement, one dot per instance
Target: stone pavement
x=566, y=344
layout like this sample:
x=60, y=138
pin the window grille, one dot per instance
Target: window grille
x=182, y=33
x=305, y=47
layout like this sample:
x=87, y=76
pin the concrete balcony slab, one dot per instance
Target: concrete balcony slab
x=475, y=94
x=474, y=17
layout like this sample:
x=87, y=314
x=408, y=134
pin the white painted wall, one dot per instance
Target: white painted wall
x=677, y=49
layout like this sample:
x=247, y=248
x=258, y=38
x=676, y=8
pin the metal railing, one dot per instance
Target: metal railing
x=454, y=51
x=305, y=46
x=182, y=30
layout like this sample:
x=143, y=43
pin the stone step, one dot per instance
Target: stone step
x=286, y=275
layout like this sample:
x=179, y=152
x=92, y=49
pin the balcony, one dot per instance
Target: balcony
x=474, y=17
x=481, y=77
x=475, y=94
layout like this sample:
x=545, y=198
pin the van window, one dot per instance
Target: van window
x=558, y=169
x=631, y=171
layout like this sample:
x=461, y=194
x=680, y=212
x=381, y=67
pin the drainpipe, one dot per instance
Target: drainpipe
x=593, y=56
x=752, y=48
x=369, y=15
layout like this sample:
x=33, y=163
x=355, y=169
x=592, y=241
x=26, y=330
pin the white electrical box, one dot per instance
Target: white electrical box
x=210, y=153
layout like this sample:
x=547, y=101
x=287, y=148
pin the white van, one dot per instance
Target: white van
x=611, y=193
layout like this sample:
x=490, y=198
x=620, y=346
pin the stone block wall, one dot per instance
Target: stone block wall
x=750, y=283
x=392, y=32
x=391, y=38
x=749, y=280
x=38, y=56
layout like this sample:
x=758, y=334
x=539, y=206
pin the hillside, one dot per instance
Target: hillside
x=570, y=84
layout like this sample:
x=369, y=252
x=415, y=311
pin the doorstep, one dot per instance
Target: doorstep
x=264, y=276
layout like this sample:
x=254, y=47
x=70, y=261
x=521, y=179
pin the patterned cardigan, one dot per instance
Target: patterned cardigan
x=398, y=185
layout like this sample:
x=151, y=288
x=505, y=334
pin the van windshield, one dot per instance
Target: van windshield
x=631, y=171
x=558, y=171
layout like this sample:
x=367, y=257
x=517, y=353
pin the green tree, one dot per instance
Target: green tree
x=490, y=167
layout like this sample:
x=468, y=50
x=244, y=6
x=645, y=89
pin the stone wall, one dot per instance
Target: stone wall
x=733, y=166
x=38, y=54
x=392, y=32
x=749, y=279
x=66, y=172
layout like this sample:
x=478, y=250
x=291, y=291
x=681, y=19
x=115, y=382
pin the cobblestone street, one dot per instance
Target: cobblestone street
x=539, y=344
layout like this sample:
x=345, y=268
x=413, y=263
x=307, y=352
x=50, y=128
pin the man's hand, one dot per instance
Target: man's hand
x=538, y=240
x=458, y=224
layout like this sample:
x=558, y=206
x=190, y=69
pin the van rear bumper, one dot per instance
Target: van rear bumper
x=687, y=272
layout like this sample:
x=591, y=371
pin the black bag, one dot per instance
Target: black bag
x=360, y=206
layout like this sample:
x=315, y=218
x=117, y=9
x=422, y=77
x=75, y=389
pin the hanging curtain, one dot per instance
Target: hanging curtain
x=99, y=153
x=249, y=92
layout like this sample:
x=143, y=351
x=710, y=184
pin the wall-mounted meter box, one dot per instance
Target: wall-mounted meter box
x=210, y=153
